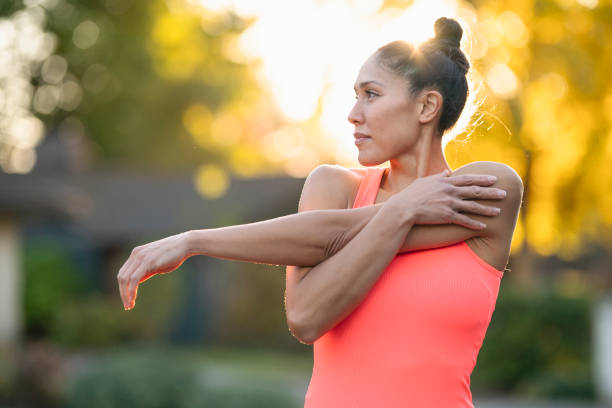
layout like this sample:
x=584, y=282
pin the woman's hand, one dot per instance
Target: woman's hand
x=162, y=256
x=440, y=199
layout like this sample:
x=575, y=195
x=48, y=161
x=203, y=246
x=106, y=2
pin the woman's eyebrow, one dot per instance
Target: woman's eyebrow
x=366, y=83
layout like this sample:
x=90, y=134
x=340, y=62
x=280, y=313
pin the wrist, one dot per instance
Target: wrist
x=194, y=242
x=404, y=215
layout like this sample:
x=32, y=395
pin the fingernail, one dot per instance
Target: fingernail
x=502, y=193
x=481, y=225
x=492, y=178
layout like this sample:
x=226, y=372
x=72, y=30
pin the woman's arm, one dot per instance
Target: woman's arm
x=303, y=239
x=307, y=238
x=317, y=298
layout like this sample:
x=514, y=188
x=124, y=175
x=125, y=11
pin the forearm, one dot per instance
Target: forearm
x=330, y=291
x=301, y=239
x=307, y=238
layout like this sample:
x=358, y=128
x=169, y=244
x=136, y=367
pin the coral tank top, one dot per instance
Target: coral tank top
x=414, y=339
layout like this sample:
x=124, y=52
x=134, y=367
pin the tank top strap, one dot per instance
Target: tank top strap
x=368, y=188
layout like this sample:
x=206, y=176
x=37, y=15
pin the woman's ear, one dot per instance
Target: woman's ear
x=430, y=104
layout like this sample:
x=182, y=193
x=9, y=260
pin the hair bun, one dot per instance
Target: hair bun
x=448, y=31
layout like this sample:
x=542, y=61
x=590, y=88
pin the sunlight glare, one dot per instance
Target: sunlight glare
x=502, y=80
x=310, y=52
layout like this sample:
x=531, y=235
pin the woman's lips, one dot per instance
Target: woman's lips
x=360, y=138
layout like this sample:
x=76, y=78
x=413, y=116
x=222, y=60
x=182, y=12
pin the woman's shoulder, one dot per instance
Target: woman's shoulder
x=338, y=181
x=494, y=243
x=502, y=171
x=327, y=186
x=507, y=178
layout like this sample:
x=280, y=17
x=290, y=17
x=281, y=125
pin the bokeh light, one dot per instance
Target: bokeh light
x=309, y=54
x=26, y=50
x=275, y=80
x=211, y=181
x=85, y=34
x=502, y=80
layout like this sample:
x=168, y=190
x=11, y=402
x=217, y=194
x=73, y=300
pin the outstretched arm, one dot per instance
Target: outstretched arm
x=307, y=238
x=303, y=239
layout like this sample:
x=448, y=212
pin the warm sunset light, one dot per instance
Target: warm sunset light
x=199, y=154
x=211, y=181
x=262, y=88
x=310, y=54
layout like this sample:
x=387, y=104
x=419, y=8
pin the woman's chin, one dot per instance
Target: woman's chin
x=368, y=161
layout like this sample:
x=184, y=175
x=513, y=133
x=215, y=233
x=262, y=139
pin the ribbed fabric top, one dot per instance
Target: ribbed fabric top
x=413, y=341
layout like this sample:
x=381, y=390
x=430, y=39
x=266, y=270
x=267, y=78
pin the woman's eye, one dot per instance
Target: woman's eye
x=369, y=94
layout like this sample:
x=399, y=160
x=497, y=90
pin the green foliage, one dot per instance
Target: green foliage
x=60, y=306
x=151, y=382
x=537, y=344
x=150, y=65
x=92, y=322
x=96, y=320
x=155, y=380
x=51, y=279
x=254, y=310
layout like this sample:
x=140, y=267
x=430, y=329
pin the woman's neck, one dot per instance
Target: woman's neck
x=425, y=159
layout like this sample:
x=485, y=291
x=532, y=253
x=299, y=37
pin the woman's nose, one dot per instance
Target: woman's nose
x=355, y=116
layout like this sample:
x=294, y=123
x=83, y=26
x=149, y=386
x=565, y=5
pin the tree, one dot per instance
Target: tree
x=143, y=82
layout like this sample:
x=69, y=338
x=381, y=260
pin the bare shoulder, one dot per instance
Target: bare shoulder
x=505, y=174
x=485, y=167
x=327, y=186
x=507, y=179
x=493, y=244
x=360, y=172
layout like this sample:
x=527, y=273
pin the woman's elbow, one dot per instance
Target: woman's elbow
x=302, y=331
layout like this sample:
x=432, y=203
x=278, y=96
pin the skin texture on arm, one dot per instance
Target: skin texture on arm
x=498, y=230
x=317, y=298
x=496, y=237
x=316, y=233
x=303, y=239
x=316, y=301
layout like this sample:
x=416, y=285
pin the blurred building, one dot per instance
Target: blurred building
x=110, y=210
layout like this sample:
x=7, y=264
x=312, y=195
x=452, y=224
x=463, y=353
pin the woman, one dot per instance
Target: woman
x=396, y=307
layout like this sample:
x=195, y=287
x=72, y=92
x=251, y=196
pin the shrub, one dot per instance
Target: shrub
x=155, y=380
x=51, y=280
x=537, y=343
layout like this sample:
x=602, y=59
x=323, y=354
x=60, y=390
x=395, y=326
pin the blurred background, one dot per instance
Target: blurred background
x=125, y=121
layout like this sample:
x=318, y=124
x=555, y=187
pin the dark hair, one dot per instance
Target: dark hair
x=438, y=63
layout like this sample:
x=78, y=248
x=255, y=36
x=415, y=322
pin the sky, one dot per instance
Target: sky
x=310, y=52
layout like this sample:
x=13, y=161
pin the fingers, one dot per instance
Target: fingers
x=133, y=301
x=472, y=180
x=122, y=281
x=464, y=220
x=132, y=285
x=132, y=269
x=476, y=208
x=478, y=192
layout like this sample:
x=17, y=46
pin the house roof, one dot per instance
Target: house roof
x=115, y=205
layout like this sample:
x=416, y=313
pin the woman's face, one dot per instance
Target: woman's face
x=383, y=113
